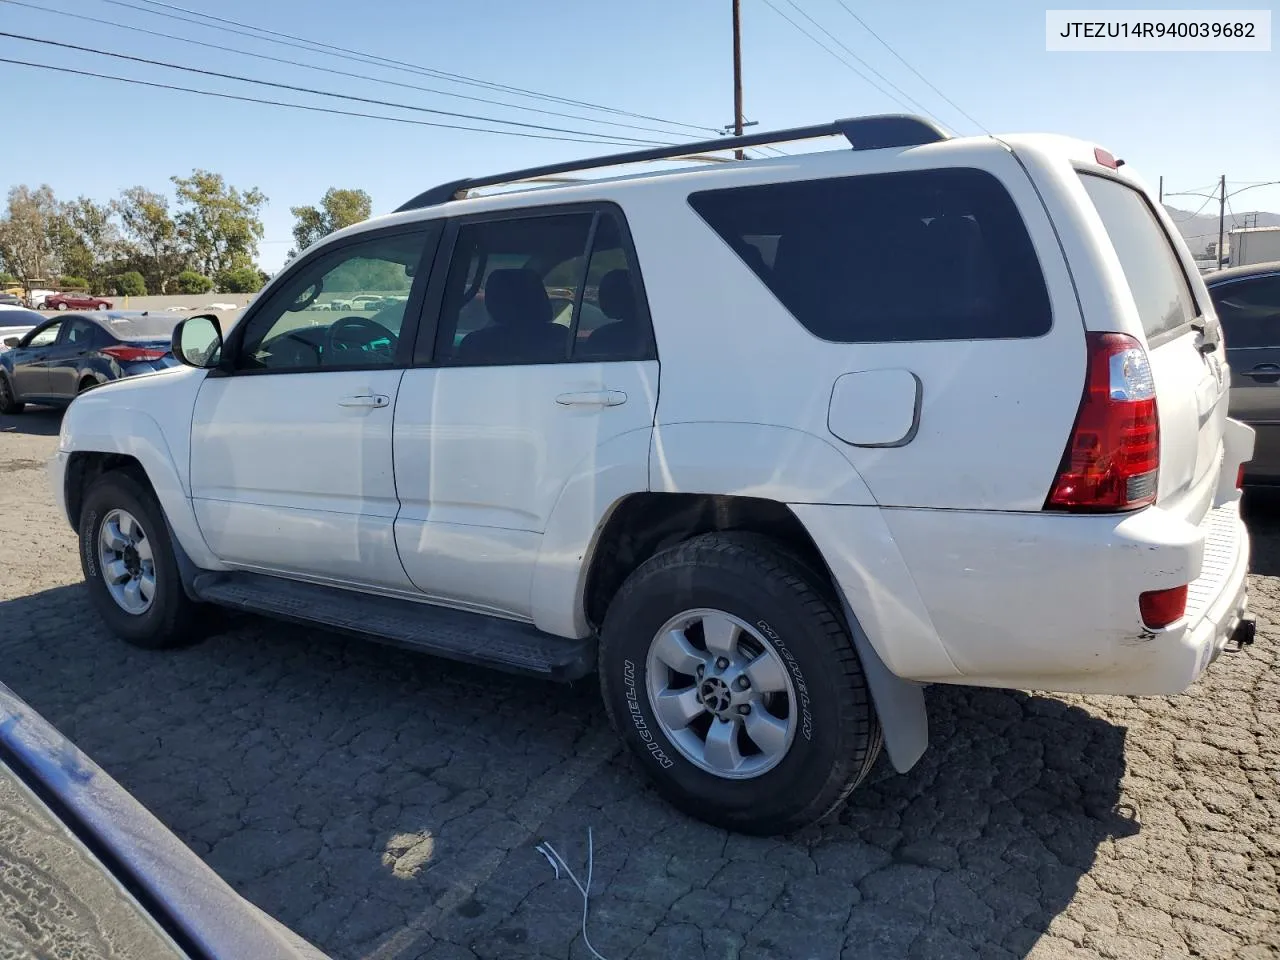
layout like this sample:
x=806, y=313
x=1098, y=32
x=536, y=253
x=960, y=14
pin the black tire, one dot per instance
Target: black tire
x=88, y=383
x=9, y=403
x=838, y=733
x=62, y=306
x=170, y=621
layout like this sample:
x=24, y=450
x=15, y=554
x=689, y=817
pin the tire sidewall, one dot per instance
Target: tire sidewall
x=780, y=615
x=111, y=492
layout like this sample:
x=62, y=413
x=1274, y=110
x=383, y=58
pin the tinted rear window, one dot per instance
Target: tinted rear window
x=151, y=327
x=1146, y=255
x=1249, y=311
x=924, y=255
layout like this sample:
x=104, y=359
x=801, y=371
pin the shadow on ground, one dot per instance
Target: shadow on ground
x=387, y=805
x=35, y=421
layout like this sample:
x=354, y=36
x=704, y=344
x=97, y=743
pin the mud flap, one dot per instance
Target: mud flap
x=899, y=703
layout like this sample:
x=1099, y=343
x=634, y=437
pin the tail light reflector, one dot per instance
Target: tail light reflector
x=1162, y=607
x=1113, y=457
x=133, y=354
x=1240, y=477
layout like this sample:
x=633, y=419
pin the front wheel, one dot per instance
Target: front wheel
x=129, y=565
x=62, y=306
x=731, y=675
x=9, y=403
x=103, y=306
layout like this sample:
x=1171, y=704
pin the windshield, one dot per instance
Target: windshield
x=137, y=326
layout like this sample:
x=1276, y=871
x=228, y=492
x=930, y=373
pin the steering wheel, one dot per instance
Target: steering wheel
x=357, y=333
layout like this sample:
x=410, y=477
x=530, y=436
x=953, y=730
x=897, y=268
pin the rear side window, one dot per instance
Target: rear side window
x=922, y=255
x=1151, y=268
x=1249, y=311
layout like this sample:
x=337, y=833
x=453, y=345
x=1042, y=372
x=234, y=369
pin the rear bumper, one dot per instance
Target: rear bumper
x=1040, y=601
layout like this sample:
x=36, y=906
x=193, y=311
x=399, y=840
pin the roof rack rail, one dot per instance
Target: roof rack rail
x=863, y=133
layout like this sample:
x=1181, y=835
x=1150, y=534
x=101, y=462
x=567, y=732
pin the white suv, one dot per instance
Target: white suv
x=768, y=445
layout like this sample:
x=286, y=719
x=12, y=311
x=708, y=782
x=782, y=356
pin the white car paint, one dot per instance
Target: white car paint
x=474, y=488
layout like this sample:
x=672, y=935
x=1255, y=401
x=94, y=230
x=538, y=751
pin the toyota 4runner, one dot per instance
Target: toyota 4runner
x=768, y=445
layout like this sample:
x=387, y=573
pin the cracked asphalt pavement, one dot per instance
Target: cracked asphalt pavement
x=388, y=805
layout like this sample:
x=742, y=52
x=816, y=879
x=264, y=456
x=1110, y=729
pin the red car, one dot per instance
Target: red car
x=75, y=301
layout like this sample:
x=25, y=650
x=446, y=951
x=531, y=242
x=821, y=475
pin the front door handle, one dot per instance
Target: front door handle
x=1265, y=373
x=592, y=398
x=365, y=400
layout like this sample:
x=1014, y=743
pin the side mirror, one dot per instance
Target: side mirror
x=197, y=341
x=12, y=341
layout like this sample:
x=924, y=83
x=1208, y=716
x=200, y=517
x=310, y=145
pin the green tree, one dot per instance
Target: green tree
x=85, y=239
x=338, y=208
x=131, y=284
x=73, y=283
x=8, y=279
x=26, y=248
x=153, y=233
x=191, y=282
x=219, y=223
x=242, y=279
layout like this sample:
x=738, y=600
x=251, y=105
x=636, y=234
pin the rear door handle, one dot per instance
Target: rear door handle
x=365, y=400
x=1264, y=373
x=592, y=398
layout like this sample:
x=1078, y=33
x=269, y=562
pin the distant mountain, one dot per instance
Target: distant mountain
x=1198, y=230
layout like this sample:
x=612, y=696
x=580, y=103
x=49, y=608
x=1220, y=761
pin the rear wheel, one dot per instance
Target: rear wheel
x=102, y=306
x=732, y=676
x=129, y=565
x=62, y=306
x=9, y=403
x=88, y=383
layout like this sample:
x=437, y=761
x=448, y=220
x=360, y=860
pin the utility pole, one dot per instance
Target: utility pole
x=1222, y=214
x=1162, y=191
x=737, y=73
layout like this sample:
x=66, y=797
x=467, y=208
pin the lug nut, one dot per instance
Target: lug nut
x=744, y=709
x=701, y=669
x=742, y=683
x=722, y=663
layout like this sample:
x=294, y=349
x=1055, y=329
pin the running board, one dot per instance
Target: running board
x=456, y=634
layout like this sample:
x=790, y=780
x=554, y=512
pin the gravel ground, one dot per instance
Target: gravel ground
x=387, y=805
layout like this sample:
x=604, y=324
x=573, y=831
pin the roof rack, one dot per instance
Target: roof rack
x=863, y=133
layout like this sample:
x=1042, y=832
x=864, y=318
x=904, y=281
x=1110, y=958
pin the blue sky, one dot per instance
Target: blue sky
x=1186, y=116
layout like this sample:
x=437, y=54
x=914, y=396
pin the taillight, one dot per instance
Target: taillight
x=133, y=354
x=1113, y=457
x=1162, y=607
x=1240, y=477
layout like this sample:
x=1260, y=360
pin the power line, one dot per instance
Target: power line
x=884, y=43
x=1208, y=200
x=222, y=48
x=321, y=93
x=840, y=59
x=291, y=40
x=303, y=106
x=846, y=49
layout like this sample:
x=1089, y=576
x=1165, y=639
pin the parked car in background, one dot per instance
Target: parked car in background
x=65, y=356
x=76, y=301
x=90, y=872
x=36, y=298
x=16, y=322
x=1247, y=300
x=11, y=300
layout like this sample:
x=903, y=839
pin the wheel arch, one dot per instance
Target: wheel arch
x=97, y=439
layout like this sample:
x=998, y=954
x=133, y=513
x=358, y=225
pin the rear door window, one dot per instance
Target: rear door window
x=1146, y=255
x=922, y=255
x=1249, y=311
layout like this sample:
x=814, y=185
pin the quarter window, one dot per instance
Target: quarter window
x=343, y=309
x=922, y=255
